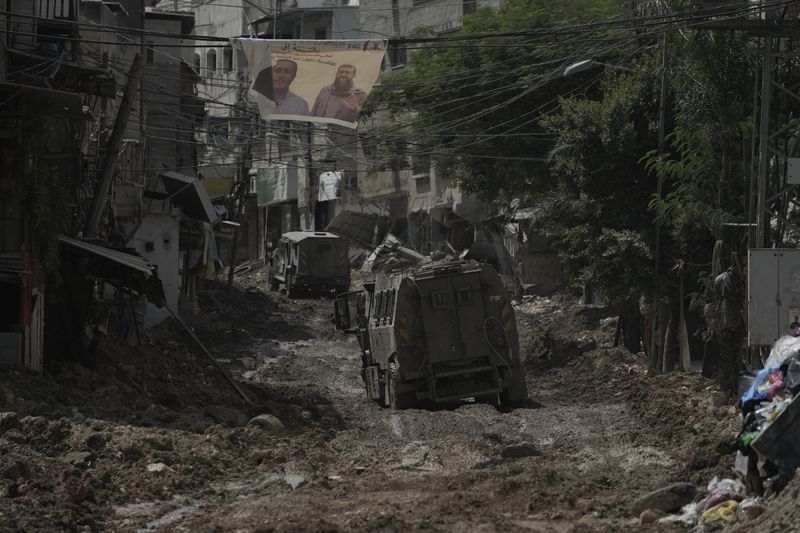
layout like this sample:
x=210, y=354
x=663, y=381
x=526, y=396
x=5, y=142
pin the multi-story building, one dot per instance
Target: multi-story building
x=285, y=157
x=53, y=95
x=65, y=65
x=426, y=209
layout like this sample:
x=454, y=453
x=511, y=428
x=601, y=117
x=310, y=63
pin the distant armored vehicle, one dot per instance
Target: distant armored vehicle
x=440, y=333
x=314, y=261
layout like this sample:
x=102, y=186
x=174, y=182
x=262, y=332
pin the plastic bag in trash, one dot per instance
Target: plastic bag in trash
x=760, y=388
x=784, y=348
x=688, y=515
x=792, y=377
x=721, y=490
x=723, y=512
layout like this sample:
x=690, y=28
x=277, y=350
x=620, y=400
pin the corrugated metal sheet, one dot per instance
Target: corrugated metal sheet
x=363, y=229
x=128, y=260
x=189, y=194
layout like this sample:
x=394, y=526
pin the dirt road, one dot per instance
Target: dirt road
x=154, y=439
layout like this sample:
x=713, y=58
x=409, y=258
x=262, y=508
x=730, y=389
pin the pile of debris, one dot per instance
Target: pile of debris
x=767, y=455
x=392, y=255
x=767, y=444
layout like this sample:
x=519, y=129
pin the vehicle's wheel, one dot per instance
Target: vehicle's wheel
x=404, y=400
x=273, y=284
x=507, y=402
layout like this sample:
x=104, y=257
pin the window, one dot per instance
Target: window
x=227, y=59
x=464, y=295
x=197, y=63
x=376, y=311
x=438, y=299
x=384, y=305
x=149, y=53
x=320, y=34
x=218, y=131
x=397, y=54
x=469, y=6
x=422, y=184
x=351, y=181
x=211, y=62
x=390, y=306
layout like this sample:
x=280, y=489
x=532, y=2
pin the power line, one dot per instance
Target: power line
x=637, y=23
x=463, y=120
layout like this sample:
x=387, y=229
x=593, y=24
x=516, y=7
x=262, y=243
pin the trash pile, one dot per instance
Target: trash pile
x=771, y=419
x=767, y=455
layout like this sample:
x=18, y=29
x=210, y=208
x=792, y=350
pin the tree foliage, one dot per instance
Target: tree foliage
x=500, y=119
x=476, y=104
x=600, y=222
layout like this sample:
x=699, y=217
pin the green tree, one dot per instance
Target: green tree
x=476, y=104
x=707, y=174
x=597, y=210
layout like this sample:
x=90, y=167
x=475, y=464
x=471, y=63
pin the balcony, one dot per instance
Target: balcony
x=385, y=184
x=47, y=27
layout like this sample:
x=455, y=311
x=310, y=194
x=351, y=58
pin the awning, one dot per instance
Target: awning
x=421, y=204
x=363, y=229
x=189, y=194
x=119, y=268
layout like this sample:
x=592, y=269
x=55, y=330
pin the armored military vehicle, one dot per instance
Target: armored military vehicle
x=314, y=261
x=439, y=333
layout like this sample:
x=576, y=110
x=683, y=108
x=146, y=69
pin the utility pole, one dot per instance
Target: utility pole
x=106, y=176
x=763, y=144
x=275, y=19
x=239, y=195
x=143, y=54
x=311, y=191
x=655, y=354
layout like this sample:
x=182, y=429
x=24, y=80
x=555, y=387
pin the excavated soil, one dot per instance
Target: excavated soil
x=153, y=437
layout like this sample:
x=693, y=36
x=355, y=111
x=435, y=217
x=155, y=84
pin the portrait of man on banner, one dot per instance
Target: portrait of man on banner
x=326, y=82
x=274, y=82
x=341, y=99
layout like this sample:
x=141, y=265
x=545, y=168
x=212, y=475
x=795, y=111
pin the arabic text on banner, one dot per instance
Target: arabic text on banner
x=330, y=186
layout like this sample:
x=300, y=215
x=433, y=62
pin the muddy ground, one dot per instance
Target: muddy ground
x=154, y=438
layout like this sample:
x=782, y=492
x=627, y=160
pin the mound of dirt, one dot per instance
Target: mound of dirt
x=83, y=443
x=576, y=341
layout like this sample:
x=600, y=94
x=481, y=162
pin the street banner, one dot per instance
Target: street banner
x=325, y=82
x=330, y=186
x=275, y=184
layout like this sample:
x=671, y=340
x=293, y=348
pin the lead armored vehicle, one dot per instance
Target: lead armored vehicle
x=312, y=261
x=440, y=333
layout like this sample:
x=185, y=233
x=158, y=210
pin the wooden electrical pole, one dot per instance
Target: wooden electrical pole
x=103, y=184
x=656, y=355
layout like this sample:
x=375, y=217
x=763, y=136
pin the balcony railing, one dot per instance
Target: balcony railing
x=44, y=26
x=57, y=9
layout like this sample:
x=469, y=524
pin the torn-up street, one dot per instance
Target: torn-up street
x=155, y=439
x=400, y=266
